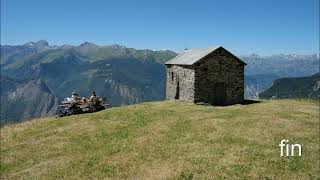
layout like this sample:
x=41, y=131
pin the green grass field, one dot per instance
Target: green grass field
x=167, y=140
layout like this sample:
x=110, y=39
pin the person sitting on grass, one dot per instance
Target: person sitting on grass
x=94, y=99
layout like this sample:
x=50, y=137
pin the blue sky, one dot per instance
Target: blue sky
x=247, y=26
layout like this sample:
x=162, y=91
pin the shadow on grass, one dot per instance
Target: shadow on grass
x=245, y=102
x=249, y=101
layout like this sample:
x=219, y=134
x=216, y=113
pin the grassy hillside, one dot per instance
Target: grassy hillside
x=167, y=140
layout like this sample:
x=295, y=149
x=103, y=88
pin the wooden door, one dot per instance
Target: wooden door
x=217, y=95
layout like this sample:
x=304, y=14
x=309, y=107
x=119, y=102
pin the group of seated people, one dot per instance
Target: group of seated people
x=92, y=100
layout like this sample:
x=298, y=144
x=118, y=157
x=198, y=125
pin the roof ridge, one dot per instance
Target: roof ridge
x=190, y=56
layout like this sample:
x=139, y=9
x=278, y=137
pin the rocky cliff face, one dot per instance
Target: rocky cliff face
x=26, y=100
x=255, y=84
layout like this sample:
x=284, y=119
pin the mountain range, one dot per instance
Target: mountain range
x=36, y=75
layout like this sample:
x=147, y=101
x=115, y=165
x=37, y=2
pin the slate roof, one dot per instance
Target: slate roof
x=191, y=56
